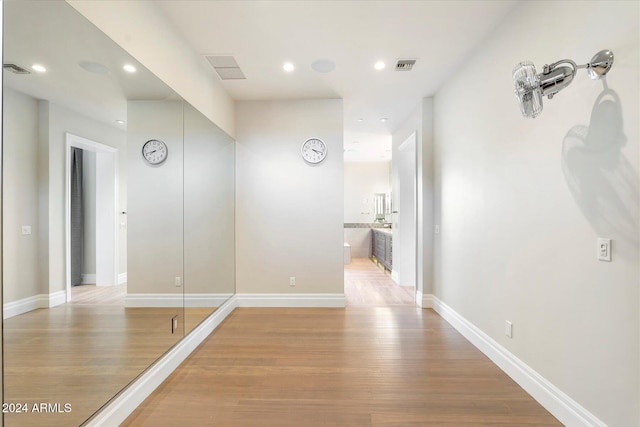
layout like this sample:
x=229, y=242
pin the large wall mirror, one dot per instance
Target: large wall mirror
x=108, y=260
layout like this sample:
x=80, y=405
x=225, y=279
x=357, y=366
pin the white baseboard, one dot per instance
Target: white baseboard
x=395, y=277
x=57, y=298
x=424, y=300
x=566, y=410
x=88, y=279
x=21, y=306
x=291, y=300
x=28, y=304
x=125, y=402
x=175, y=300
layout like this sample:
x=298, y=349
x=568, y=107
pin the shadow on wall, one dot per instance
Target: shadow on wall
x=601, y=180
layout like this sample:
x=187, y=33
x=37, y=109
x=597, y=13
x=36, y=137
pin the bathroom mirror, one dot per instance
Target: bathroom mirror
x=107, y=260
x=381, y=207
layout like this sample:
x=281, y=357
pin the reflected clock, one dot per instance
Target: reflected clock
x=155, y=152
x=314, y=150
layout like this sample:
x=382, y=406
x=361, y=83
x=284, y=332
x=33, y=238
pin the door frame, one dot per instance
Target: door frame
x=406, y=144
x=106, y=210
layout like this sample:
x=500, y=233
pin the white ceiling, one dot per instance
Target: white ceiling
x=262, y=35
x=55, y=35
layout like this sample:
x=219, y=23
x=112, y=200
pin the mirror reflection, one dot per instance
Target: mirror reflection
x=108, y=260
x=382, y=207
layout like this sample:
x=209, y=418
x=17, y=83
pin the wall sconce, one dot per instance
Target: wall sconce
x=530, y=87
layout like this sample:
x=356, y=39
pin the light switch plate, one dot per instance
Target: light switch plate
x=508, y=329
x=604, y=249
x=26, y=229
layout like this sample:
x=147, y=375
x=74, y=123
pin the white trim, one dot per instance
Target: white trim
x=291, y=300
x=35, y=302
x=424, y=300
x=55, y=298
x=175, y=300
x=395, y=276
x=566, y=410
x=116, y=411
x=72, y=140
x=88, y=279
x=21, y=306
x=122, y=278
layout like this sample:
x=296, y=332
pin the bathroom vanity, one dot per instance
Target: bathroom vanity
x=382, y=246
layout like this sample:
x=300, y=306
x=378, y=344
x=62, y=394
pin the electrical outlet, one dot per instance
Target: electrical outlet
x=437, y=228
x=178, y=282
x=292, y=282
x=604, y=249
x=26, y=229
x=508, y=329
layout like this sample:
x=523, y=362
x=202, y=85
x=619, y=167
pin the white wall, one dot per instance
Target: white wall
x=522, y=202
x=209, y=207
x=361, y=181
x=158, y=47
x=155, y=198
x=289, y=215
x=35, y=180
x=20, y=177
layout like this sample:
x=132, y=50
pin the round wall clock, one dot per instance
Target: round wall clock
x=314, y=150
x=155, y=152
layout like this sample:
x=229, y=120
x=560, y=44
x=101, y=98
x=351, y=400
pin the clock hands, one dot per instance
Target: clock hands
x=319, y=152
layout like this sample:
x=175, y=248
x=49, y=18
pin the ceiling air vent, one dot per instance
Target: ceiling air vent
x=226, y=67
x=16, y=69
x=405, y=64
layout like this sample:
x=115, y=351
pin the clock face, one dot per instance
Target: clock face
x=314, y=150
x=154, y=152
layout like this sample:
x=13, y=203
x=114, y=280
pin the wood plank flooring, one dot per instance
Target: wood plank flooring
x=84, y=352
x=367, y=284
x=359, y=366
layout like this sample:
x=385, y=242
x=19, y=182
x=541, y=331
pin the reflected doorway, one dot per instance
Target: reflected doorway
x=102, y=195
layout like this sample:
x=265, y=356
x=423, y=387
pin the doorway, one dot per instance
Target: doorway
x=405, y=226
x=368, y=213
x=105, y=210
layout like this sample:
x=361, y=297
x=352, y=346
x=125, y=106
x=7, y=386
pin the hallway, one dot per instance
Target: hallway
x=359, y=366
x=368, y=285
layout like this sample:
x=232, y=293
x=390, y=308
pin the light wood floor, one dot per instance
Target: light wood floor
x=367, y=284
x=359, y=366
x=83, y=352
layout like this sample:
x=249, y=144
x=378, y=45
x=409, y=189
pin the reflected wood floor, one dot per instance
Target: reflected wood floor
x=359, y=366
x=367, y=284
x=83, y=352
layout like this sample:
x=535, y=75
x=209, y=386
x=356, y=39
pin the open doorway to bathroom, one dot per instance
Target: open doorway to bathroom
x=369, y=233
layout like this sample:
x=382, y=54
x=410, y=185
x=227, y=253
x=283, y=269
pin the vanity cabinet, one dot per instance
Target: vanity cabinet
x=382, y=247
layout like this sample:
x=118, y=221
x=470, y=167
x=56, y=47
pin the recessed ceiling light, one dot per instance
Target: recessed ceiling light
x=323, y=66
x=120, y=121
x=39, y=68
x=129, y=68
x=384, y=119
x=361, y=120
x=93, y=67
x=288, y=67
x=356, y=142
x=379, y=65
